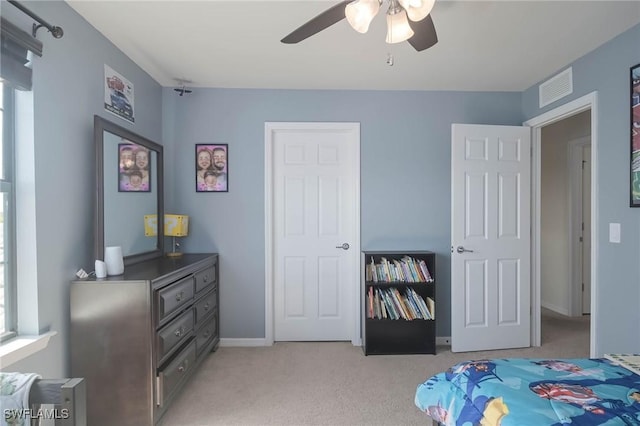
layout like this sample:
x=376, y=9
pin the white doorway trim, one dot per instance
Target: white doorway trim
x=270, y=129
x=576, y=190
x=569, y=109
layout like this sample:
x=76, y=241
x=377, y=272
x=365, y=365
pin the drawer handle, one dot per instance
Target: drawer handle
x=184, y=366
x=206, y=306
x=179, y=332
x=179, y=296
x=206, y=334
x=205, y=278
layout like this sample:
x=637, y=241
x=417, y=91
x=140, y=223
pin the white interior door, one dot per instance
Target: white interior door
x=586, y=229
x=490, y=237
x=315, y=169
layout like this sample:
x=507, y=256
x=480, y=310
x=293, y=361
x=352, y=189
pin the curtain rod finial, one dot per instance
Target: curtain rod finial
x=55, y=31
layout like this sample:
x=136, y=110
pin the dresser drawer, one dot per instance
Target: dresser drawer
x=205, y=278
x=172, y=334
x=207, y=332
x=206, y=306
x=173, y=297
x=170, y=377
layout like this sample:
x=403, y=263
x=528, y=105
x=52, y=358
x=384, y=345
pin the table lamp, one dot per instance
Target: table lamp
x=175, y=225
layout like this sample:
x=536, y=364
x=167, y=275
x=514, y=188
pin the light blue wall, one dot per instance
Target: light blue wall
x=68, y=91
x=405, y=151
x=606, y=70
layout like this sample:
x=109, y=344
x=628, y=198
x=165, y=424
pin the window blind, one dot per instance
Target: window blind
x=15, y=47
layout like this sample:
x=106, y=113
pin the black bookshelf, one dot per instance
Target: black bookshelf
x=387, y=336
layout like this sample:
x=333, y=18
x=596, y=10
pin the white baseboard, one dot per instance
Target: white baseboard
x=555, y=308
x=246, y=343
x=443, y=340
x=243, y=342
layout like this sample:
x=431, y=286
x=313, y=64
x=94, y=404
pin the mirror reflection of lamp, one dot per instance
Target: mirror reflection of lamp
x=175, y=225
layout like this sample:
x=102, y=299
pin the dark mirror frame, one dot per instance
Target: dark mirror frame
x=101, y=125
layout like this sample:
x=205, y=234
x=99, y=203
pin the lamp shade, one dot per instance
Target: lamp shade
x=398, y=28
x=176, y=225
x=360, y=13
x=417, y=10
x=150, y=225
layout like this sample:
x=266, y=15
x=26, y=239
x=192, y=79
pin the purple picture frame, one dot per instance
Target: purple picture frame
x=212, y=167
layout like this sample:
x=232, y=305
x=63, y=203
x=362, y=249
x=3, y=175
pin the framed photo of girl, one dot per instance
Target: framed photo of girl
x=134, y=173
x=212, y=173
x=635, y=135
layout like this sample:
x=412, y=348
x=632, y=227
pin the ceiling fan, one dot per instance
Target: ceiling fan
x=406, y=20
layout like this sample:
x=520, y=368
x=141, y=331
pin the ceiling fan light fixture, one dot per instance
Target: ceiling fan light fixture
x=360, y=13
x=410, y=3
x=398, y=29
x=418, y=13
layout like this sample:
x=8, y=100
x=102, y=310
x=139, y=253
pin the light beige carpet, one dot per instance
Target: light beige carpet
x=333, y=383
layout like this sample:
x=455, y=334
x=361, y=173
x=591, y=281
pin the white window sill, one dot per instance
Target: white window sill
x=21, y=347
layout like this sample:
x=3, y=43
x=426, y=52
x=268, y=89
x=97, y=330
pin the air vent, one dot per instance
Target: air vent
x=556, y=87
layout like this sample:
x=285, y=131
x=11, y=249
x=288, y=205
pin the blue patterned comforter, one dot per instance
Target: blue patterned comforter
x=536, y=392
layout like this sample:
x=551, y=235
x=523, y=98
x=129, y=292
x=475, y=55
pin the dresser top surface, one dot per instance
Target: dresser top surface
x=158, y=267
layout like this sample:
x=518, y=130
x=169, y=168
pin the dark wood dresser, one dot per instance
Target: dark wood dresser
x=136, y=338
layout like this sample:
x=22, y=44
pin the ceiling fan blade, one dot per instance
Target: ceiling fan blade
x=424, y=34
x=317, y=24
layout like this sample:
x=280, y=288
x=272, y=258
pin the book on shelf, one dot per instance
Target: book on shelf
x=391, y=307
x=431, y=307
x=390, y=303
x=407, y=269
x=423, y=267
x=376, y=305
x=411, y=303
x=396, y=301
x=422, y=306
x=383, y=308
x=629, y=361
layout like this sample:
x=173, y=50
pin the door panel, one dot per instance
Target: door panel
x=476, y=290
x=294, y=293
x=490, y=221
x=313, y=213
x=586, y=233
x=476, y=205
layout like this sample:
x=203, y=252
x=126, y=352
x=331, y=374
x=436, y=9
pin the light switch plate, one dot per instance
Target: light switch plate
x=614, y=232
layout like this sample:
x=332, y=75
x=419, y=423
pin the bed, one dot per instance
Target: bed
x=536, y=392
x=26, y=399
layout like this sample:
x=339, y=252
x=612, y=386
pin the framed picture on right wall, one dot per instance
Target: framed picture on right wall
x=212, y=168
x=635, y=136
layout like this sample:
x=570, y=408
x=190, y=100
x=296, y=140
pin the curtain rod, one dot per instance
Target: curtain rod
x=54, y=30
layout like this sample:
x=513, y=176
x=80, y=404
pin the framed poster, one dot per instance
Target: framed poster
x=118, y=94
x=635, y=136
x=212, y=168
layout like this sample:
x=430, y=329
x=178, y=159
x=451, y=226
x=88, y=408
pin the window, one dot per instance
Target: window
x=8, y=317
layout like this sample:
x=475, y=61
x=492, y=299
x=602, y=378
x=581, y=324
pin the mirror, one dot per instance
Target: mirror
x=129, y=186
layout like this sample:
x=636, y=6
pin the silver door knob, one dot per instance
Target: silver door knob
x=461, y=249
x=344, y=246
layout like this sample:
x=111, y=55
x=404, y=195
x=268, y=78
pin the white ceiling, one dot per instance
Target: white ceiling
x=483, y=45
